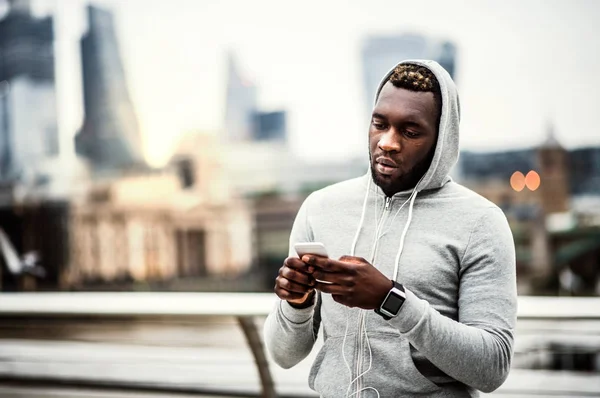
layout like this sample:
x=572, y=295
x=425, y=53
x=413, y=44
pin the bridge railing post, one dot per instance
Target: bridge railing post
x=258, y=351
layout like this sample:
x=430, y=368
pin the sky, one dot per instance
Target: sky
x=521, y=66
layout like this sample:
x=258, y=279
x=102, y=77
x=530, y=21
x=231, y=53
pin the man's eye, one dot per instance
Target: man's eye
x=379, y=126
x=411, y=134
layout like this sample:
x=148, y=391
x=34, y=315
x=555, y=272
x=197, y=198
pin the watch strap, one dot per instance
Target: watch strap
x=384, y=316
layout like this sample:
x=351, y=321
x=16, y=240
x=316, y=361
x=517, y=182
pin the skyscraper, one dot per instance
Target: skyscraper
x=28, y=122
x=381, y=53
x=240, y=105
x=244, y=121
x=110, y=136
x=270, y=126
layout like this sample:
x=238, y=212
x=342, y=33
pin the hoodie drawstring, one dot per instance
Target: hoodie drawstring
x=404, y=232
x=362, y=219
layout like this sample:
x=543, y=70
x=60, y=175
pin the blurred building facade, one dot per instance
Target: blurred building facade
x=110, y=137
x=28, y=140
x=553, y=235
x=381, y=53
x=584, y=167
x=181, y=222
x=581, y=174
x=552, y=161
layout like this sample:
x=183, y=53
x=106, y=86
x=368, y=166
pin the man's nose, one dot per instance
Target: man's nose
x=389, y=141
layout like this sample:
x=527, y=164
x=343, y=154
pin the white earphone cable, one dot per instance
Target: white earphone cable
x=403, y=237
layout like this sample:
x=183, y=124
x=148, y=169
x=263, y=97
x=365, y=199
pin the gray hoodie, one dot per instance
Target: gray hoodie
x=456, y=259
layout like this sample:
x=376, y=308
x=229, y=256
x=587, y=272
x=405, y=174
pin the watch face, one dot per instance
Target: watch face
x=393, y=304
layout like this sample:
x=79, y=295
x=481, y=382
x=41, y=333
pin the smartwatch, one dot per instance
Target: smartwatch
x=392, y=303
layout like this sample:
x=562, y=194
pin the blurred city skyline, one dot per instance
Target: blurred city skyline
x=243, y=109
x=508, y=56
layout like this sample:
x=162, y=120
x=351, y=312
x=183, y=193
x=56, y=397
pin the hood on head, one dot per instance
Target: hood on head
x=446, y=150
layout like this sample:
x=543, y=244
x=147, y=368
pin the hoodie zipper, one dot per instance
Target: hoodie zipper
x=362, y=314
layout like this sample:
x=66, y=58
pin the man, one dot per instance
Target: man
x=418, y=295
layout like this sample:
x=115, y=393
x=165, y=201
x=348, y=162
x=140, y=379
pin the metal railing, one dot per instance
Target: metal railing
x=245, y=307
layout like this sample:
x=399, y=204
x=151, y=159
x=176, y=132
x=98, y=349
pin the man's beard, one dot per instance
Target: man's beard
x=407, y=180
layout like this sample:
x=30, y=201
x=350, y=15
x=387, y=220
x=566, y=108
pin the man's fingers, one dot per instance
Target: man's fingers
x=333, y=277
x=296, y=276
x=287, y=295
x=297, y=264
x=292, y=286
x=328, y=264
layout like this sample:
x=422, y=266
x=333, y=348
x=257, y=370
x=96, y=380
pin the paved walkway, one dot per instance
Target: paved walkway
x=214, y=369
x=192, y=356
x=53, y=392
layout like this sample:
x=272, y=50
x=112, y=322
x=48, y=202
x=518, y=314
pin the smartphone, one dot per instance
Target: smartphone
x=316, y=248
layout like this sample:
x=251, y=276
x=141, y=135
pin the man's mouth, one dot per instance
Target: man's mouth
x=385, y=166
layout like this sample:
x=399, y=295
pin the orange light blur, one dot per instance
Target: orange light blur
x=532, y=180
x=517, y=181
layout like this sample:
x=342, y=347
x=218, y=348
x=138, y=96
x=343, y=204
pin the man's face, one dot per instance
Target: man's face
x=402, y=137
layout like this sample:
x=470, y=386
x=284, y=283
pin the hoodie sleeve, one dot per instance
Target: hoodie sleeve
x=477, y=350
x=288, y=331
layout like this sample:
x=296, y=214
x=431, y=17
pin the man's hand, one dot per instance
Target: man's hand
x=294, y=282
x=354, y=282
